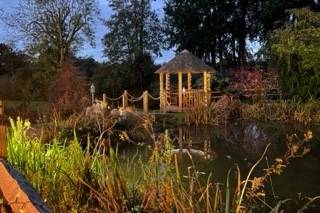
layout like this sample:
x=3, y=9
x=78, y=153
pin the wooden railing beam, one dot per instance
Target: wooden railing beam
x=180, y=90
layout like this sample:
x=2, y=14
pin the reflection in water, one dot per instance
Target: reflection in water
x=206, y=152
x=217, y=149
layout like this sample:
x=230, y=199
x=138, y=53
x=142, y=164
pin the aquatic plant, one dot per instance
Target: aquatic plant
x=71, y=178
x=228, y=109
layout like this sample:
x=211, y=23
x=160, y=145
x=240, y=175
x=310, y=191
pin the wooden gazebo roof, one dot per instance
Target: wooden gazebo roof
x=185, y=62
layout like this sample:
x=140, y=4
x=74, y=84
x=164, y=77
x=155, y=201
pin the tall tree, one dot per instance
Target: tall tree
x=211, y=29
x=274, y=14
x=296, y=47
x=133, y=30
x=218, y=31
x=10, y=60
x=59, y=25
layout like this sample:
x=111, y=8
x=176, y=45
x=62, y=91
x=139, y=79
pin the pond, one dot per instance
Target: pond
x=217, y=149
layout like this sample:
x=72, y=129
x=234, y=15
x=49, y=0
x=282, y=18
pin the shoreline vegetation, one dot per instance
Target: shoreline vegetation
x=248, y=54
x=71, y=178
x=229, y=109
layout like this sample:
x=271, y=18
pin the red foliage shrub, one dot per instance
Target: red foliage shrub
x=254, y=80
x=72, y=89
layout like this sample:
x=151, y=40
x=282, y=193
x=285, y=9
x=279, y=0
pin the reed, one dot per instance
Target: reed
x=94, y=179
x=228, y=109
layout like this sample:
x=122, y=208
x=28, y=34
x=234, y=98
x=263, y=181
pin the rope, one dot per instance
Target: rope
x=131, y=96
x=134, y=99
x=114, y=99
x=153, y=98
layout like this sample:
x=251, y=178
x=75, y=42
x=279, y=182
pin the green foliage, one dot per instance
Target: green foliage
x=220, y=83
x=133, y=29
x=218, y=31
x=296, y=46
x=22, y=77
x=75, y=179
x=11, y=61
x=274, y=15
x=113, y=79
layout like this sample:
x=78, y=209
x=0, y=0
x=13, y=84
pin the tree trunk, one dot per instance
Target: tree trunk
x=213, y=53
x=141, y=33
x=234, y=49
x=242, y=32
x=220, y=54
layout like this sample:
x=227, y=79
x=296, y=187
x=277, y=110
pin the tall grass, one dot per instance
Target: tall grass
x=72, y=179
x=228, y=109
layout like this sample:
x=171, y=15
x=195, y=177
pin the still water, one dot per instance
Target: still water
x=216, y=149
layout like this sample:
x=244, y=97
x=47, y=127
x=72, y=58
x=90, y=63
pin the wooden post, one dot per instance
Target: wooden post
x=125, y=99
x=145, y=101
x=167, y=86
x=205, y=88
x=180, y=90
x=209, y=88
x=104, y=100
x=189, y=81
x=162, y=101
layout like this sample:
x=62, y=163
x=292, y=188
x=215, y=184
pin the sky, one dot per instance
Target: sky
x=100, y=30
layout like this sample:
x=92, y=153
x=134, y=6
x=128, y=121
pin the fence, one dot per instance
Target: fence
x=126, y=99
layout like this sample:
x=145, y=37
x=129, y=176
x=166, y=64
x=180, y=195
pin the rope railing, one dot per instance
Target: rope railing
x=114, y=99
x=153, y=98
x=127, y=98
x=190, y=99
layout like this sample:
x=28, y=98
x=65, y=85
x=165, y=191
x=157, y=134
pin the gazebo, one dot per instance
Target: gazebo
x=184, y=97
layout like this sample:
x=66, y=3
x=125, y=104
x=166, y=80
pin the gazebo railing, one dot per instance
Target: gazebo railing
x=191, y=99
x=194, y=99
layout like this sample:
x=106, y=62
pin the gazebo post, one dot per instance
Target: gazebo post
x=180, y=90
x=209, y=88
x=162, y=102
x=189, y=81
x=205, y=88
x=188, y=99
x=167, y=86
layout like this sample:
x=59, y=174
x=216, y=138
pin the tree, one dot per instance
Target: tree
x=72, y=93
x=134, y=29
x=211, y=29
x=218, y=31
x=60, y=25
x=296, y=46
x=274, y=14
x=22, y=77
x=87, y=66
x=10, y=60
